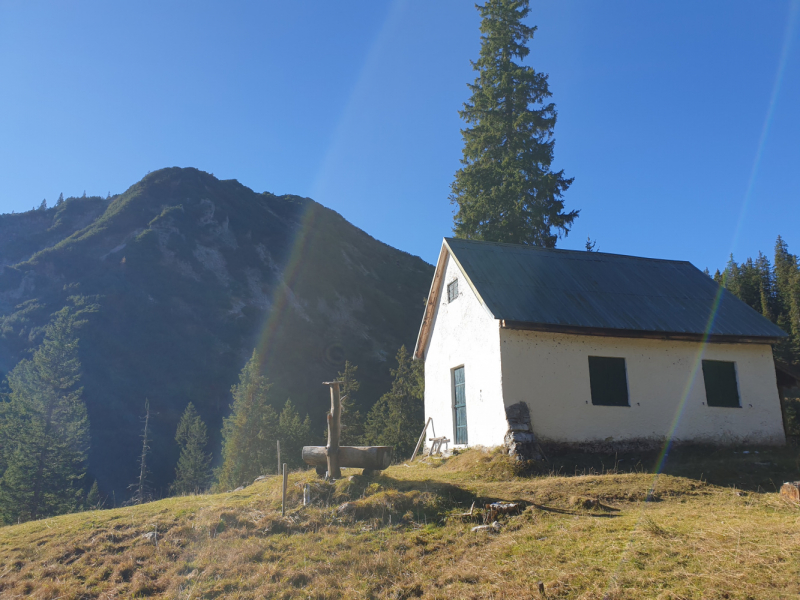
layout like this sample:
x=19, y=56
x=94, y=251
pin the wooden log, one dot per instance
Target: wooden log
x=334, y=427
x=376, y=458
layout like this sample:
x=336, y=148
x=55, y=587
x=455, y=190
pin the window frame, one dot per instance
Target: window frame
x=450, y=286
x=594, y=383
x=706, y=377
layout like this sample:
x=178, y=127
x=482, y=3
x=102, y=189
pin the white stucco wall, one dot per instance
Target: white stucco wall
x=464, y=333
x=550, y=372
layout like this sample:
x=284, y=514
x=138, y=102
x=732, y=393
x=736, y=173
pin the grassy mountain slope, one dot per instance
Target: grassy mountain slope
x=190, y=273
x=615, y=535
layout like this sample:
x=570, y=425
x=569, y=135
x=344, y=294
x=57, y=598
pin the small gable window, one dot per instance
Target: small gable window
x=452, y=290
x=721, y=387
x=608, y=380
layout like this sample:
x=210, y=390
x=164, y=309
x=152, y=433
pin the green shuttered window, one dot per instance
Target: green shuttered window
x=721, y=387
x=608, y=381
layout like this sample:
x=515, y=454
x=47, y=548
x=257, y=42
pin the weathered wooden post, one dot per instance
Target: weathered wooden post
x=334, y=428
x=279, y=457
x=283, y=491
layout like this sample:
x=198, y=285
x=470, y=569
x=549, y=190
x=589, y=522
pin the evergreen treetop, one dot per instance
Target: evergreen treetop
x=193, y=472
x=773, y=290
x=250, y=431
x=506, y=191
x=352, y=420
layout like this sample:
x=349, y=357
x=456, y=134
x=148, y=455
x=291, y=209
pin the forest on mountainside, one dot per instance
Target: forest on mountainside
x=188, y=275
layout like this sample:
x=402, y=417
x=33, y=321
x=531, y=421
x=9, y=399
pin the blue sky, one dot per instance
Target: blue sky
x=680, y=121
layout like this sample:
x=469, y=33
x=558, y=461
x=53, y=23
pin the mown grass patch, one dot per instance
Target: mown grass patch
x=400, y=535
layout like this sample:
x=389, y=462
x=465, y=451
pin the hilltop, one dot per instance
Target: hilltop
x=599, y=533
x=189, y=273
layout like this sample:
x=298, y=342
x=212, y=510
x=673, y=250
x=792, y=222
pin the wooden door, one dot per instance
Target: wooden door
x=460, y=406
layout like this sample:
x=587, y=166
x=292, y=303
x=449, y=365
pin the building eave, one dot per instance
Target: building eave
x=632, y=333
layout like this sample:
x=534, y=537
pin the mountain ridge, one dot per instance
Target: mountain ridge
x=190, y=273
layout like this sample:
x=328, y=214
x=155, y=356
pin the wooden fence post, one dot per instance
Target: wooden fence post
x=334, y=428
x=283, y=490
x=279, y=457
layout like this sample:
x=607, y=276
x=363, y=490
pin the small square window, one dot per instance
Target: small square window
x=719, y=377
x=608, y=381
x=452, y=290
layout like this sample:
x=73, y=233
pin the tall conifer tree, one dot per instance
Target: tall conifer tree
x=396, y=418
x=249, y=433
x=44, y=436
x=294, y=433
x=352, y=433
x=505, y=190
x=193, y=472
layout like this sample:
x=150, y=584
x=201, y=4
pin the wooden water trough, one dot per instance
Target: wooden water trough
x=331, y=458
x=372, y=458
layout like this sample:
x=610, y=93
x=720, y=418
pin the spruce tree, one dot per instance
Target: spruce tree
x=396, y=418
x=352, y=432
x=93, y=501
x=787, y=284
x=45, y=429
x=193, y=472
x=294, y=433
x=249, y=433
x=773, y=290
x=506, y=190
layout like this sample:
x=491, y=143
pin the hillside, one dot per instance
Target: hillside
x=189, y=274
x=600, y=533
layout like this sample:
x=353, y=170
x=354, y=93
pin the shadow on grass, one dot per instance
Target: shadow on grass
x=755, y=469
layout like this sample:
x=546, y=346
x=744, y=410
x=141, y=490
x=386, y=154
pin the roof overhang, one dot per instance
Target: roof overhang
x=634, y=333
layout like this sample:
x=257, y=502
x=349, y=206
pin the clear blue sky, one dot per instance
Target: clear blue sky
x=680, y=121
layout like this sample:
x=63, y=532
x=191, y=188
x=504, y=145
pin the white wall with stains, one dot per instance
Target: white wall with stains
x=550, y=372
x=464, y=333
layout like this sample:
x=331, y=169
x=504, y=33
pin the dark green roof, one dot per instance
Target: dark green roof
x=578, y=289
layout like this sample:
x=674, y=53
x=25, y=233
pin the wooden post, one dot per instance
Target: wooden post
x=283, y=491
x=279, y=457
x=422, y=437
x=334, y=427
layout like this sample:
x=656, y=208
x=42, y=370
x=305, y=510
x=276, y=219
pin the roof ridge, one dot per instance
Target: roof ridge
x=564, y=251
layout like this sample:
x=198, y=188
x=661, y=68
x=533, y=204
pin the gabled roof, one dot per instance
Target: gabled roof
x=596, y=293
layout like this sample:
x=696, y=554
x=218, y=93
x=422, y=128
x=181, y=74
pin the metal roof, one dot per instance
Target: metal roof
x=578, y=289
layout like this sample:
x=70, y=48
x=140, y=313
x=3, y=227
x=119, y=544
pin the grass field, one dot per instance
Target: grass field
x=711, y=526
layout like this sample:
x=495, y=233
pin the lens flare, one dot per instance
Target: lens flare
x=768, y=119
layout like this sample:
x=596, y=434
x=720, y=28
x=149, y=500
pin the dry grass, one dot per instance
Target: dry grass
x=615, y=536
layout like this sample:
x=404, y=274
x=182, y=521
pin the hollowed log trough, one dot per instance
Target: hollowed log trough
x=369, y=458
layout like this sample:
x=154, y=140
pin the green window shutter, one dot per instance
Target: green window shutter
x=719, y=377
x=608, y=380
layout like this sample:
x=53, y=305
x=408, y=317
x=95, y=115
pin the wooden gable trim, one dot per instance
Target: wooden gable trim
x=431, y=304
